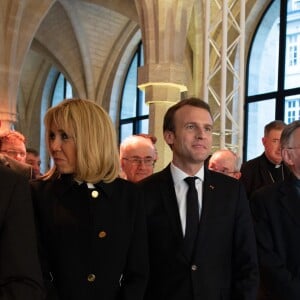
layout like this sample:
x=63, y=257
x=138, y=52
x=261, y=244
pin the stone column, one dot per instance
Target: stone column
x=164, y=25
x=17, y=27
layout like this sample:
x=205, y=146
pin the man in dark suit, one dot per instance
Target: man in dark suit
x=268, y=167
x=215, y=257
x=20, y=274
x=276, y=212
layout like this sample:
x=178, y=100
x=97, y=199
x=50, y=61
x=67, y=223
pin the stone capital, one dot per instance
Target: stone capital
x=170, y=74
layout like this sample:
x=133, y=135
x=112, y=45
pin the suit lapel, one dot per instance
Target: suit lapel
x=170, y=202
x=264, y=170
x=209, y=190
x=208, y=205
x=213, y=209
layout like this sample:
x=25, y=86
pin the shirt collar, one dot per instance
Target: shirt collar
x=89, y=185
x=178, y=175
x=270, y=164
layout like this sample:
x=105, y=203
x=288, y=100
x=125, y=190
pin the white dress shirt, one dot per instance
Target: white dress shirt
x=181, y=188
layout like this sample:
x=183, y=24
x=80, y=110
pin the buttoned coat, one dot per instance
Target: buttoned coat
x=93, y=240
x=276, y=212
x=20, y=271
x=224, y=265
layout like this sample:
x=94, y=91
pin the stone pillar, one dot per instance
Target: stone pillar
x=17, y=27
x=165, y=97
x=164, y=26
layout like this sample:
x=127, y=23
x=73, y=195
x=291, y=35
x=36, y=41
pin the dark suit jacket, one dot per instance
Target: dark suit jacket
x=225, y=262
x=276, y=212
x=101, y=233
x=20, y=168
x=255, y=174
x=20, y=273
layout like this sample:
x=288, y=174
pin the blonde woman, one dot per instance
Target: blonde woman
x=91, y=223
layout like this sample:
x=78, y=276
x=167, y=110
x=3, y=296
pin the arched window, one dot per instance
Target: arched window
x=273, y=81
x=56, y=89
x=134, y=113
x=62, y=89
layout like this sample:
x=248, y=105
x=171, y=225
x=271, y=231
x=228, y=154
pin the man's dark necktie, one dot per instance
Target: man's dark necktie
x=192, y=216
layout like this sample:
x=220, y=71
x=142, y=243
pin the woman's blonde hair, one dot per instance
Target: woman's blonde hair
x=94, y=138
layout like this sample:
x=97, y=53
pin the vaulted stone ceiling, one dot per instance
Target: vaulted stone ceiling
x=84, y=39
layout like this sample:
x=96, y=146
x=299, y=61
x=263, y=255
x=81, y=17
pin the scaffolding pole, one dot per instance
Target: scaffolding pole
x=224, y=70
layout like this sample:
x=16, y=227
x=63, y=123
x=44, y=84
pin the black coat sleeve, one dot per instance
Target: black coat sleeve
x=20, y=274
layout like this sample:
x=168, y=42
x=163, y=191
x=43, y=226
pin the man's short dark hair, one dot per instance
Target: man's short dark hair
x=32, y=151
x=274, y=125
x=169, y=116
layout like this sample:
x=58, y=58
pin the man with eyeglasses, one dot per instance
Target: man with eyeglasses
x=138, y=156
x=13, y=153
x=225, y=161
x=276, y=214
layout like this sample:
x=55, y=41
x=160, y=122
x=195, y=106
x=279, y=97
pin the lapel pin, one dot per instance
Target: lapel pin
x=212, y=187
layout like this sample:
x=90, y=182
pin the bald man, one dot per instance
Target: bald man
x=225, y=161
x=138, y=156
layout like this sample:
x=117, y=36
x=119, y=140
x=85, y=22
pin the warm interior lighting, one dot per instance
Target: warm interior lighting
x=181, y=87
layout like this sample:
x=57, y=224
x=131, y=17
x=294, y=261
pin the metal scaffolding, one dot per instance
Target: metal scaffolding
x=224, y=70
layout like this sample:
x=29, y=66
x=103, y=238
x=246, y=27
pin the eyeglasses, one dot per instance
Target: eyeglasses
x=136, y=161
x=14, y=153
x=226, y=172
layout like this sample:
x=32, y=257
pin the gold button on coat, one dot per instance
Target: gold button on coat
x=91, y=277
x=102, y=234
x=95, y=194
